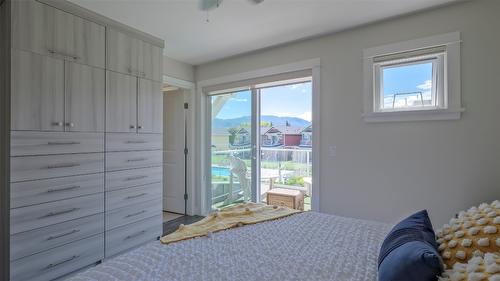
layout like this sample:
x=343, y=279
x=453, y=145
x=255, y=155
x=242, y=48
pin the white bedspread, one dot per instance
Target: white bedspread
x=306, y=246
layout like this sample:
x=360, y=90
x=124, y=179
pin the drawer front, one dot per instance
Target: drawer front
x=43, y=167
x=45, y=143
x=132, y=235
x=132, y=213
x=134, y=177
x=45, y=238
x=28, y=193
x=33, y=217
x=281, y=201
x=124, y=197
x=59, y=261
x=116, y=161
x=131, y=142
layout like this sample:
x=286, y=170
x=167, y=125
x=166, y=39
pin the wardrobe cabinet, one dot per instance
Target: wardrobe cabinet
x=37, y=98
x=78, y=194
x=55, y=95
x=149, y=107
x=132, y=56
x=85, y=98
x=133, y=105
x=48, y=31
x=121, y=103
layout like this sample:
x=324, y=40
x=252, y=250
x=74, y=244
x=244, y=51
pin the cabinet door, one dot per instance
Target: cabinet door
x=37, y=99
x=33, y=27
x=85, y=98
x=150, y=61
x=79, y=40
x=123, y=52
x=150, y=107
x=121, y=103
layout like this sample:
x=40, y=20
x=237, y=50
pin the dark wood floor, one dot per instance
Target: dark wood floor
x=171, y=226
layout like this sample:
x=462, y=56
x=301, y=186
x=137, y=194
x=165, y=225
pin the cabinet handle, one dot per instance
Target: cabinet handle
x=135, y=214
x=139, y=127
x=51, y=214
x=137, y=160
x=135, y=234
x=64, y=55
x=63, y=189
x=132, y=127
x=64, y=234
x=70, y=124
x=62, y=142
x=61, y=262
x=136, y=178
x=135, y=196
x=136, y=142
x=59, y=124
x=58, y=166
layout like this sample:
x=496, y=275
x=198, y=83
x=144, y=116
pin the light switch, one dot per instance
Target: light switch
x=333, y=150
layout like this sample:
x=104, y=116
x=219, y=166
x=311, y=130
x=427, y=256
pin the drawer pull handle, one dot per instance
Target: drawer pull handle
x=63, y=189
x=62, y=142
x=64, y=234
x=131, y=141
x=135, y=196
x=137, y=160
x=51, y=214
x=59, y=124
x=135, y=234
x=58, y=166
x=135, y=214
x=136, y=178
x=52, y=265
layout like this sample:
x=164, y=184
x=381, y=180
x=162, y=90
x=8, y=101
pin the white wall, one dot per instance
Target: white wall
x=178, y=69
x=386, y=171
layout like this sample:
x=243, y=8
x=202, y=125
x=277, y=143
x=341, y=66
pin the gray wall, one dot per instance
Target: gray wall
x=386, y=171
x=177, y=69
x=4, y=137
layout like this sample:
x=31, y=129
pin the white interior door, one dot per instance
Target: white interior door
x=173, y=136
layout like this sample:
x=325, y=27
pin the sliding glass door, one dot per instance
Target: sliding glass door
x=232, y=149
x=260, y=139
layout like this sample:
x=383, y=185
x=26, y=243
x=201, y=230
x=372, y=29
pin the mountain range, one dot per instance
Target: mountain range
x=275, y=120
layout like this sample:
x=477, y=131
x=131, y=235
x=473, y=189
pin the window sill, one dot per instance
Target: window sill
x=413, y=115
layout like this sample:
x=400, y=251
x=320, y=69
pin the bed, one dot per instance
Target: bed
x=305, y=246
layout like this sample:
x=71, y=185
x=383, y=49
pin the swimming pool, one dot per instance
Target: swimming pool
x=220, y=171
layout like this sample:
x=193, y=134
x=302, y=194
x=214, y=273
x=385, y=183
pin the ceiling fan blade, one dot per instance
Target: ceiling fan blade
x=206, y=5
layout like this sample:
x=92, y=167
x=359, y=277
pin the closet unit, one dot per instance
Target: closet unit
x=86, y=139
x=134, y=121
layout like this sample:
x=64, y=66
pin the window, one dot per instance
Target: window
x=413, y=80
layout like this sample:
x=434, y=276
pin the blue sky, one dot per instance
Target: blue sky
x=291, y=100
x=405, y=79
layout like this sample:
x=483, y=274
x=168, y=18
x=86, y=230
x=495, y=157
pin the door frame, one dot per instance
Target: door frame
x=188, y=86
x=203, y=124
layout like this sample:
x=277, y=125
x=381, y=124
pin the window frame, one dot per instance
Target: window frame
x=443, y=51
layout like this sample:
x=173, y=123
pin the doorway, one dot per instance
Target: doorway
x=175, y=133
x=260, y=140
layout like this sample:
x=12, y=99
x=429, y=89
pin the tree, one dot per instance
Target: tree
x=232, y=134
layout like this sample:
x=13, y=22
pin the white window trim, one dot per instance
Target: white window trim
x=203, y=123
x=450, y=108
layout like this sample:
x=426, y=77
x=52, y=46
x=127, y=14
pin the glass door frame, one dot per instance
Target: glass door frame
x=204, y=88
x=254, y=145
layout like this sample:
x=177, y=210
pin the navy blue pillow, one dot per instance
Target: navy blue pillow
x=409, y=252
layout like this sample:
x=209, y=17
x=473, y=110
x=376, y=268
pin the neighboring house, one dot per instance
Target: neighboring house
x=291, y=135
x=270, y=136
x=306, y=140
x=280, y=136
x=220, y=138
x=241, y=139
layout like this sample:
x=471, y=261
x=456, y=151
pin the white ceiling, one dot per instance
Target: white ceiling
x=239, y=26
